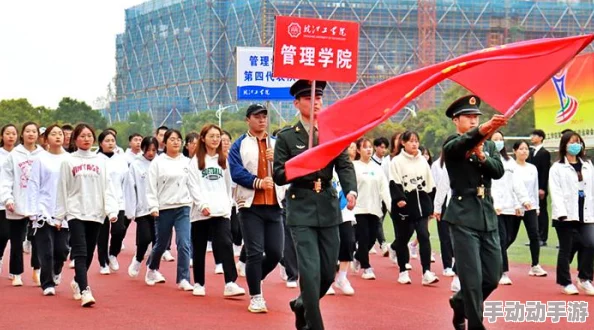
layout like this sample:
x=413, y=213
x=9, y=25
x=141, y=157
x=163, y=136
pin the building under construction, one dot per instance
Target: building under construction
x=177, y=56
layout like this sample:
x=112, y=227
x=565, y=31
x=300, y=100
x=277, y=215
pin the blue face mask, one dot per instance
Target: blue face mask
x=574, y=148
x=499, y=145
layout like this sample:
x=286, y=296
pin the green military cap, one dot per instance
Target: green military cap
x=466, y=105
x=303, y=88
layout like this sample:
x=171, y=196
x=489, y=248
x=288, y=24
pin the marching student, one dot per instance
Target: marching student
x=238, y=249
x=380, y=148
x=571, y=182
x=210, y=187
x=372, y=188
x=13, y=192
x=50, y=234
x=160, y=134
x=411, y=184
x=191, y=145
x=117, y=149
x=169, y=200
x=136, y=201
x=67, y=129
x=134, y=150
x=442, y=196
x=528, y=175
x=85, y=197
x=8, y=140
x=117, y=170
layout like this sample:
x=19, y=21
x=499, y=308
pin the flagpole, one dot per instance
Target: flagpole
x=311, y=114
x=269, y=163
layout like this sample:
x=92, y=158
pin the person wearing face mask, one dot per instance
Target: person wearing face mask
x=372, y=188
x=571, y=183
x=8, y=140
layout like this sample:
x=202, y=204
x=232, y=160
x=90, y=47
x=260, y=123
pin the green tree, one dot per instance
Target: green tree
x=140, y=123
x=18, y=111
x=73, y=111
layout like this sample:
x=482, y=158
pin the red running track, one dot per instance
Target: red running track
x=126, y=303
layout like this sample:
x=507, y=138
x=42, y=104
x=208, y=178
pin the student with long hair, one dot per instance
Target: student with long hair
x=411, y=184
x=571, y=182
x=372, y=188
x=136, y=201
x=169, y=200
x=85, y=197
x=13, y=192
x=50, y=234
x=8, y=140
x=210, y=187
x=117, y=170
x=159, y=135
x=191, y=144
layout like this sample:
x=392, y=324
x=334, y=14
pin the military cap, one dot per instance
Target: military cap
x=466, y=105
x=255, y=109
x=303, y=88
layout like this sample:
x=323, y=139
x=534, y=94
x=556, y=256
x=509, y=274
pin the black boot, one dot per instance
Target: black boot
x=459, y=320
x=300, y=322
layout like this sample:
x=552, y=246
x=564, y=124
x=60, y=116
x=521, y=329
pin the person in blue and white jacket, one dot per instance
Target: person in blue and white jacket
x=258, y=201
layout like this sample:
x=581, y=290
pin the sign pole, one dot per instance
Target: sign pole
x=311, y=114
x=269, y=163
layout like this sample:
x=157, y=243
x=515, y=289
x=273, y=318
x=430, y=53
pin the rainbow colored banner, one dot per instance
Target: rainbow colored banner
x=567, y=100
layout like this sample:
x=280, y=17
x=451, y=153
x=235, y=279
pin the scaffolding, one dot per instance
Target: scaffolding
x=178, y=56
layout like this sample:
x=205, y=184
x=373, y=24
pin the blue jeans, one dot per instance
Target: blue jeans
x=167, y=219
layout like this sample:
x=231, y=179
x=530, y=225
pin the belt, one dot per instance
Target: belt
x=481, y=192
x=310, y=185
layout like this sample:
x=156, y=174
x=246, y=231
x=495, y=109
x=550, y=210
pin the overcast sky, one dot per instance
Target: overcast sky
x=55, y=48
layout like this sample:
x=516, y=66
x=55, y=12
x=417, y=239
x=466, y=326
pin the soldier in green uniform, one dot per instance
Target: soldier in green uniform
x=313, y=212
x=471, y=165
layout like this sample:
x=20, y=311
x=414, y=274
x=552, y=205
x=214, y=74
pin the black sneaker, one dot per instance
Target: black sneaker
x=300, y=322
x=459, y=320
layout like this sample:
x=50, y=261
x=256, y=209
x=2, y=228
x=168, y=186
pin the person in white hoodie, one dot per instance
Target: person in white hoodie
x=571, y=183
x=411, y=184
x=372, y=188
x=8, y=140
x=117, y=170
x=13, y=192
x=210, y=187
x=85, y=197
x=134, y=149
x=136, y=201
x=50, y=234
x=169, y=200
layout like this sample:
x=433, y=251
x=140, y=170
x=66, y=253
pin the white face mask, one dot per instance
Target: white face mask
x=499, y=145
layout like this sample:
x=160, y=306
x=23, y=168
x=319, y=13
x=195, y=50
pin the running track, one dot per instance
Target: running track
x=126, y=303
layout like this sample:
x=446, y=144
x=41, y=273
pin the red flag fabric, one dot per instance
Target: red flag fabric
x=504, y=77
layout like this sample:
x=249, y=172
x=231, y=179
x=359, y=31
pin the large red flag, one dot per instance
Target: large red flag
x=504, y=77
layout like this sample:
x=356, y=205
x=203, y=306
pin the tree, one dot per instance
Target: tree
x=18, y=111
x=74, y=111
x=140, y=123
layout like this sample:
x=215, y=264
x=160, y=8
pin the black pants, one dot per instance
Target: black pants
x=215, y=253
x=543, y=219
x=445, y=240
x=145, y=235
x=118, y=232
x=504, y=223
x=262, y=228
x=235, y=227
x=380, y=236
x=574, y=235
x=223, y=242
x=347, y=241
x=289, y=260
x=405, y=230
x=4, y=232
x=365, y=234
x=531, y=224
x=35, y=263
x=52, y=245
x=83, y=240
x=18, y=231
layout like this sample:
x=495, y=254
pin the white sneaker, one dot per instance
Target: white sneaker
x=373, y=250
x=58, y=279
x=368, y=274
x=167, y=256
x=17, y=280
x=113, y=263
x=455, y=286
x=123, y=246
x=27, y=247
x=291, y=284
x=236, y=250
x=448, y=272
x=404, y=278
x=153, y=277
x=36, y=277
x=330, y=291
x=257, y=304
x=219, y=269
x=134, y=267
x=159, y=278
x=87, y=299
x=505, y=280
x=240, y=268
x=413, y=250
x=537, y=271
x=0, y=266
x=185, y=285
x=199, y=290
x=429, y=278
x=71, y=264
x=49, y=292
x=355, y=266
x=385, y=249
x=209, y=246
x=191, y=262
x=104, y=270
x=75, y=290
x=345, y=286
x=283, y=273
x=10, y=276
x=586, y=286
x=408, y=266
x=570, y=289
x=432, y=256
x=233, y=290
x=392, y=255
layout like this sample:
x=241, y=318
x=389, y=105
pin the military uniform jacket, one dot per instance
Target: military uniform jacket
x=466, y=208
x=305, y=207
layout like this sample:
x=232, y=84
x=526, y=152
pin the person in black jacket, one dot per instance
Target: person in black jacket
x=541, y=158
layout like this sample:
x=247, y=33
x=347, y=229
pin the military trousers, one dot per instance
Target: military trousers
x=478, y=265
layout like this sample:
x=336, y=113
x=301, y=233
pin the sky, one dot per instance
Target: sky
x=50, y=49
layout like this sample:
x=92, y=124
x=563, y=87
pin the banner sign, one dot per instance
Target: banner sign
x=254, y=76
